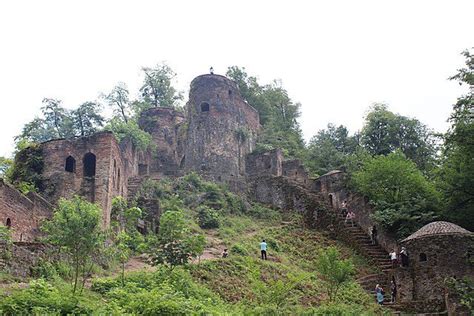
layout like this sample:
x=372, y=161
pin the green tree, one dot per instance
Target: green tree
x=5, y=165
x=126, y=219
x=157, y=89
x=118, y=100
x=385, y=132
x=86, y=119
x=75, y=227
x=457, y=170
x=404, y=199
x=123, y=251
x=334, y=271
x=174, y=244
x=55, y=123
x=329, y=149
x=129, y=130
x=278, y=113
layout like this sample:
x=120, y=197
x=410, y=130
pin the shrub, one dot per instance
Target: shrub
x=208, y=218
x=238, y=249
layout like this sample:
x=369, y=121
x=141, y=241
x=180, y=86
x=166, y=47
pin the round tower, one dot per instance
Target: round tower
x=222, y=129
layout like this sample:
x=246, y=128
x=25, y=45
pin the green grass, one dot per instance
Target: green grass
x=242, y=284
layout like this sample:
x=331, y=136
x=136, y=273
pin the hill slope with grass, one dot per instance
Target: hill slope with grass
x=287, y=283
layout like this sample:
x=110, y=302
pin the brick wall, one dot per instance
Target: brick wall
x=24, y=213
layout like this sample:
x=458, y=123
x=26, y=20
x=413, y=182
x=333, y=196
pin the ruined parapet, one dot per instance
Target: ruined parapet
x=22, y=214
x=436, y=251
x=264, y=163
x=295, y=170
x=222, y=129
x=331, y=185
x=167, y=128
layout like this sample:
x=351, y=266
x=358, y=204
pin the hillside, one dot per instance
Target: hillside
x=242, y=283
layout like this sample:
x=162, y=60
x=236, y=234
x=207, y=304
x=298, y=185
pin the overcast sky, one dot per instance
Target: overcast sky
x=335, y=57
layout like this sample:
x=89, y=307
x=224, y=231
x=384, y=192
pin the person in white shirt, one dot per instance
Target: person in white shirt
x=393, y=257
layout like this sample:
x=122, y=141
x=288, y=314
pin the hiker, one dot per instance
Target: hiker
x=379, y=292
x=225, y=254
x=404, y=257
x=263, y=249
x=344, y=208
x=350, y=216
x=373, y=235
x=393, y=257
x=393, y=290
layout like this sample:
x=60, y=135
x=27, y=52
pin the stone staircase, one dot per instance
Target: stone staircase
x=378, y=256
x=133, y=184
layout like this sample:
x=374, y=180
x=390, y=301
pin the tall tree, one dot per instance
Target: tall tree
x=329, y=149
x=119, y=100
x=278, y=113
x=385, y=132
x=157, y=89
x=75, y=227
x=86, y=119
x=404, y=199
x=56, y=122
x=457, y=171
x=57, y=118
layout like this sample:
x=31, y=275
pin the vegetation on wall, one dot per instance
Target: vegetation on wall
x=25, y=173
x=278, y=113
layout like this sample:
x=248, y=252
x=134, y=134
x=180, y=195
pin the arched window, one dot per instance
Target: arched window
x=70, y=164
x=9, y=223
x=204, y=107
x=423, y=257
x=331, y=200
x=89, y=165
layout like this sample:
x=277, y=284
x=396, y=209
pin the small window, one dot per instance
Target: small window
x=331, y=202
x=423, y=257
x=70, y=164
x=230, y=93
x=9, y=223
x=118, y=179
x=204, y=107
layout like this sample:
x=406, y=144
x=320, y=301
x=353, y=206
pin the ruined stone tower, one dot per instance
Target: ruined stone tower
x=222, y=129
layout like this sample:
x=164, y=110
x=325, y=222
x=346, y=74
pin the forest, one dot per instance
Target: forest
x=411, y=174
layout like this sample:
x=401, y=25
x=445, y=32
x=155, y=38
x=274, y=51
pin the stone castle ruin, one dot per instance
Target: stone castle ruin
x=216, y=137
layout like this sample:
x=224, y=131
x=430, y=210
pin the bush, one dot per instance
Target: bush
x=238, y=249
x=208, y=218
x=261, y=212
x=41, y=298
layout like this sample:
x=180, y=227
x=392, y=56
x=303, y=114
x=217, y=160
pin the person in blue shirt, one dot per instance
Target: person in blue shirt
x=263, y=249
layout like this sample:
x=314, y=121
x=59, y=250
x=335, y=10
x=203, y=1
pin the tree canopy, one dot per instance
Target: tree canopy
x=457, y=171
x=278, y=113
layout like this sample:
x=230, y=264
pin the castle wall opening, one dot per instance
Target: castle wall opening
x=9, y=223
x=89, y=163
x=70, y=164
x=204, y=107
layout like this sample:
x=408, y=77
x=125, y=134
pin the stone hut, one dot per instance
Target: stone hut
x=436, y=251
